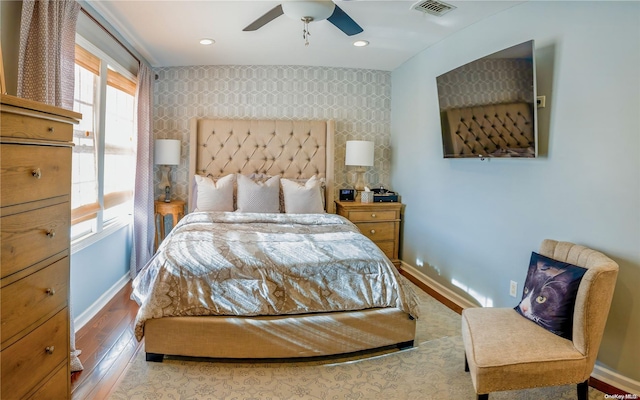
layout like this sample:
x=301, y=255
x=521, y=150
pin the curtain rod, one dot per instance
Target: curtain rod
x=88, y=14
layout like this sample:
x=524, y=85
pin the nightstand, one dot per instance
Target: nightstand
x=174, y=208
x=380, y=222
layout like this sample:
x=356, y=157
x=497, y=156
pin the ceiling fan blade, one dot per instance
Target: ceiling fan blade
x=344, y=22
x=272, y=14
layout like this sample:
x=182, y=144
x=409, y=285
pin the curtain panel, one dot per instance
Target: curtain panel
x=46, y=64
x=46, y=59
x=143, y=208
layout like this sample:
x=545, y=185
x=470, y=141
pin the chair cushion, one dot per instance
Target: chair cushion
x=549, y=294
x=506, y=352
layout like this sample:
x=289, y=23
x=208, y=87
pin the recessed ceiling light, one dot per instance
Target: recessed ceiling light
x=360, y=43
x=207, y=42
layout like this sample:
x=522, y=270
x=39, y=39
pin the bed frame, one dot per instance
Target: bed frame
x=294, y=150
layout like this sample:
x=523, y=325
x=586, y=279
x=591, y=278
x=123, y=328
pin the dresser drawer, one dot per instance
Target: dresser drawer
x=34, y=297
x=31, y=236
x=27, y=362
x=28, y=127
x=378, y=230
x=372, y=215
x=30, y=173
x=55, y=388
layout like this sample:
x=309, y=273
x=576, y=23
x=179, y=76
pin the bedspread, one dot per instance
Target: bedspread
x=266, y=264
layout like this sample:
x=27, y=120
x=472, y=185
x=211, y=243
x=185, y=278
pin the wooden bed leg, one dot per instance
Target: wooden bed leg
x=155, y=357
x=405, y=345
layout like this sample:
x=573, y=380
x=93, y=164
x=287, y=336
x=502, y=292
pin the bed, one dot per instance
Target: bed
x=306, y=305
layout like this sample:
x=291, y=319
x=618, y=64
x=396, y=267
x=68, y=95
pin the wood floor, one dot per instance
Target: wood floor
x=108, y=346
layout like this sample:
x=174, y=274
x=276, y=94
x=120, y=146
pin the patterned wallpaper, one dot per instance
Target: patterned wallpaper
x=493, y=80
x=358, y=100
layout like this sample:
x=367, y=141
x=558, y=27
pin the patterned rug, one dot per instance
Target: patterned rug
x=432, y=370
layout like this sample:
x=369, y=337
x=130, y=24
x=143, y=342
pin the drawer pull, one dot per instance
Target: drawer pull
x=373, y=215
x=50, y=129
x=373, y=231
x=49, y=349
x=52, y=233
x=51, y=291
x=36, y=173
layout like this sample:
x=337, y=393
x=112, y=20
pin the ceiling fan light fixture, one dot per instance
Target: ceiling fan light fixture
x=316, y=10
x=360, y=43
x=207, y=42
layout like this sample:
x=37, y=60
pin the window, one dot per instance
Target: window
x=103, y=162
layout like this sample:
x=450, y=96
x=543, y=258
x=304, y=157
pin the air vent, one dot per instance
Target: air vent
x=437, y=8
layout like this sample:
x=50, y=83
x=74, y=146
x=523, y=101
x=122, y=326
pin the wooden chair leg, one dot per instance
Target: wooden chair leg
x=466, y=363
x=583, y=390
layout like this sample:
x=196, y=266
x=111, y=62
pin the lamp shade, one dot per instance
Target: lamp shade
x=360, y=153
x=167, y=152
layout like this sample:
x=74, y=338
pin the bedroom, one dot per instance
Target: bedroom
x=584, y=188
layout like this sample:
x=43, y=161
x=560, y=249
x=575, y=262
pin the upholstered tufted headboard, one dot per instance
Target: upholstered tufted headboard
x=497, y=130
x=292, y=149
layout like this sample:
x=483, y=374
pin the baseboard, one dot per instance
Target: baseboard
x=440, y=289
x=82, y=319
x=600, y=373
x=611, y=377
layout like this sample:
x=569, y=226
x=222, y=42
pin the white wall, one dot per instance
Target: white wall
x=473, y=224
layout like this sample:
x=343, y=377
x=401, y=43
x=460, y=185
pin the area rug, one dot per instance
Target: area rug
x=434, y=369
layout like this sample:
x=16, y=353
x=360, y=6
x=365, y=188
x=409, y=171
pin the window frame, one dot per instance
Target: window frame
x=95, y=211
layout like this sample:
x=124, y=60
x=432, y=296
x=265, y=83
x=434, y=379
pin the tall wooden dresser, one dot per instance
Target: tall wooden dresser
x=35, y=192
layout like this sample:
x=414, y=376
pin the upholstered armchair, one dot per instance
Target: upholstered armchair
x=506, y=351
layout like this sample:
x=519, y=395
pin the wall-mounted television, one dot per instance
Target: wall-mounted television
x=488, y=106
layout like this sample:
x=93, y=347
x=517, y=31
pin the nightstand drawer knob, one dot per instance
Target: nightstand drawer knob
x=51, y=291
x=373, y=231
x=51, y=129
x=36, y=173
x=373, y=215
x=49, y=349
x=51, y=234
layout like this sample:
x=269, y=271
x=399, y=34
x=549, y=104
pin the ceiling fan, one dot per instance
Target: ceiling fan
x=309, y=11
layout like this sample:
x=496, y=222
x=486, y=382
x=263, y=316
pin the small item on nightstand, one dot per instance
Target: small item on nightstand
x=366, y=196
x=347, y=194
x=167, y=194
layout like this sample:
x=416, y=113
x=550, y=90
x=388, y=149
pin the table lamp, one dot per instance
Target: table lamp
x=167, y=153
x=359, y=153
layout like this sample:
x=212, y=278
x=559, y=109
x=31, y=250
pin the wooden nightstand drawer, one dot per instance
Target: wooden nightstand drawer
x=379, y=222
x=30, y=299
x=377, y=230
x=388, y=248
x=27, y=362
x=28, y=127
x=32, y=236
x=372, y=215
x=32, y=173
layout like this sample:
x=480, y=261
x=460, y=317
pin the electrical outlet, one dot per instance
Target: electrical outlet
x=541, y=101
x=513, y=289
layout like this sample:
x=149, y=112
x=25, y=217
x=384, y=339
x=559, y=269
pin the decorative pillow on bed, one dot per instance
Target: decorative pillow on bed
x=258, y=197
x=305, y=198
x=549, y=294
x=213, y=195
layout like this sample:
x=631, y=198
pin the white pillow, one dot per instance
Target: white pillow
x=214, y=196
x=302, y=199
x=258, y=197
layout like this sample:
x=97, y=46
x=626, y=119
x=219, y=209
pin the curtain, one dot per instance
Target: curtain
x=143, y=213
x=47, y=51
x=46, y=65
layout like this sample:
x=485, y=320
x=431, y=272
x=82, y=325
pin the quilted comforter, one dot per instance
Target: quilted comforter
x=266, y=264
